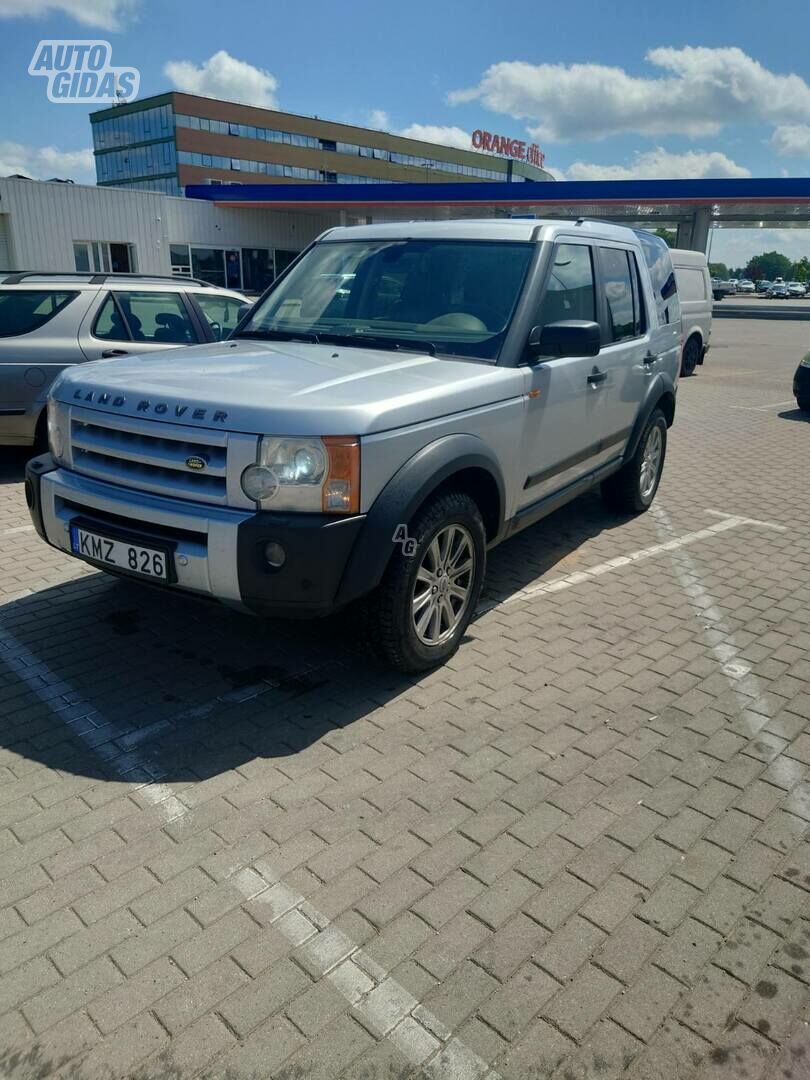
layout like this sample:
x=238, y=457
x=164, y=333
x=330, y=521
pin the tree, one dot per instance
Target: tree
x=801, y=269
x=770, y=265
x=669, y=236
x=719, y=270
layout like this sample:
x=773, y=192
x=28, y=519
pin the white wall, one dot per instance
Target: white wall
x=43, y=219
x=192, y=221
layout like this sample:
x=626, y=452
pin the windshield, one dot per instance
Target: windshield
x=444, y=296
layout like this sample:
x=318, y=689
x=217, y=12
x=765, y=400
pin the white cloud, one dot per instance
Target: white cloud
x=44, y=162
x=106, y=14
x=223, y=76
x=660, y=164
x=791, y=140
x=379, y=118
x=735, y=247
x=445, y=135
x=697, y=92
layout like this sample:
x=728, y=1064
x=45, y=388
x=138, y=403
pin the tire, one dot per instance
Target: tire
x=632, y=489
x=449, y=518
x=803, y=403
x=691, y=357
x=41, y=435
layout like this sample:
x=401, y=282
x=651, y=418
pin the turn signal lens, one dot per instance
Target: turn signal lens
x=341, y=489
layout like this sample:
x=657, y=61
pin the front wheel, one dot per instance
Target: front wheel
x=422, y=608
x=632, y=489
x=804, y=404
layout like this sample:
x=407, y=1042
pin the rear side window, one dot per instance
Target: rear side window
x=24, y=310
x=691, y=283
x=662, y=276
x=621, y=291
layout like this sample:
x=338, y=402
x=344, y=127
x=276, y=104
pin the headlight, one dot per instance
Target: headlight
x=320, y=475
x=57, y=429
x=806, y=361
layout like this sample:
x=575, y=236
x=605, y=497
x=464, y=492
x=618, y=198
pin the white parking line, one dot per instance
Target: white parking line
x=384, y=1005
x=762, y=408
x=729, y=521
x=717, y=634
x=18, y=529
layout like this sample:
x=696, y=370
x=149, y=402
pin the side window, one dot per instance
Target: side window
x=157, y=317
x=222, y=313
x=23, y=311
x=109, y=325
x=570, y=292
x=617, y=283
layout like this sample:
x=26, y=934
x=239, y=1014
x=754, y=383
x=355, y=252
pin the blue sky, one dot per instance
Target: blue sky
x=607, y=89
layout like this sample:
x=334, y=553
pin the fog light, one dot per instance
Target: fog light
x=259, y=483
x=275, y=555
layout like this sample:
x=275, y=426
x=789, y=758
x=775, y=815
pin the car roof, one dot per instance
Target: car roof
x=518, y=229
x=47, y=283
x=686, y=257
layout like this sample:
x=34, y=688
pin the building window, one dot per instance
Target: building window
x=257, y=266
x=218, y=266
x=101, y=256
x=181, y=259
x=81, y=257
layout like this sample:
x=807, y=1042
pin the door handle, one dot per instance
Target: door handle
x=650, y=358
x=597, y=377
x=109, y=353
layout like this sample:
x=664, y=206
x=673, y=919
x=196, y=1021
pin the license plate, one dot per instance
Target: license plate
x=121, y=554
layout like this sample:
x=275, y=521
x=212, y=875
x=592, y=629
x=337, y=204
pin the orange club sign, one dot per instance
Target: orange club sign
x=513, y=148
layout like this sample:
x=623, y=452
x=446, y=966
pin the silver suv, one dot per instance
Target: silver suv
x=401, y=399
x=50, y=321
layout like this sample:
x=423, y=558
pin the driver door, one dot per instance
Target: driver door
x=566, y=408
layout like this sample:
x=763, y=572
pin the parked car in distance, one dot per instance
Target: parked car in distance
x=746, y=286
x=763, y=286
x=408, y=395
x=801, y=384
x=721, y=289
x=779, y=291
x=51, y=321
x=695, y=295
x=796, y=289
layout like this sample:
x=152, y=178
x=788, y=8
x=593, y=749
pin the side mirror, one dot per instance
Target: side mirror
x=570, y=337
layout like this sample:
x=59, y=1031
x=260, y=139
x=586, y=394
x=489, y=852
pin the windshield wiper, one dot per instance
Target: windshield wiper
x=381, y=341
x=279, y=335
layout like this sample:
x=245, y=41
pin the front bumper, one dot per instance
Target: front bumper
x=218, y=552
x=801, y=382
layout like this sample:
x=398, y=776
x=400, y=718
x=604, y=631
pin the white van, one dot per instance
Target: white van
x=695, y=292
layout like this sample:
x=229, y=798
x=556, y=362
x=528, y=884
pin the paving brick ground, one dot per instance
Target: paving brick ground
x=240, y=849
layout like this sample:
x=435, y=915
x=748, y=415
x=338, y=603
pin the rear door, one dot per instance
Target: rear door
x=124, y=321
x=625, y=360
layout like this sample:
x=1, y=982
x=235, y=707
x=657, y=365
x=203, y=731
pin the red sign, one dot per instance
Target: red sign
x=513, y=148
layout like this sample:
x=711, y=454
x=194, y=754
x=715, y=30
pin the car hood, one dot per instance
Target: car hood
x=287, y=388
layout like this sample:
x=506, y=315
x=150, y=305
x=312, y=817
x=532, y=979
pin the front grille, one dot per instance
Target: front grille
x=150, y=456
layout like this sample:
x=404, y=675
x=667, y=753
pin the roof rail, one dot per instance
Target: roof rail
x=93, y=278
